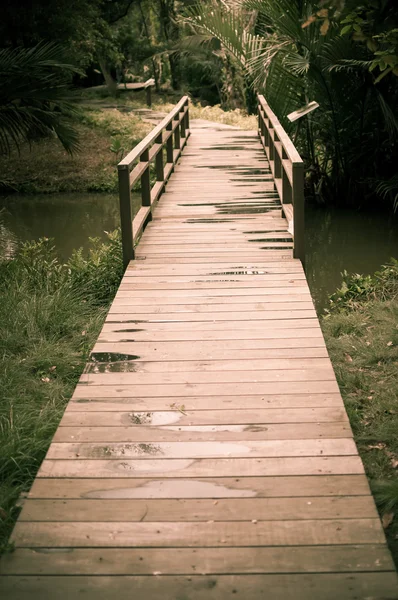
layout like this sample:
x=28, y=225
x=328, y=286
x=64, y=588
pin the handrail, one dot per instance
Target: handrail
x=287, y=167
x=171, y=134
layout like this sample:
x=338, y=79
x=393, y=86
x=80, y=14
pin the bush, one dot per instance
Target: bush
x=50, y=317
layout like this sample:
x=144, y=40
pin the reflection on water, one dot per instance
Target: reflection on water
x=336, y=240
x=71, y=219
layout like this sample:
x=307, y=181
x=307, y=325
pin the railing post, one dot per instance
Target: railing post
x=169, y=144
x=271, y=143
x=177, y=135
x=146, y=183
x=187, y=116
x=183, y=133
x=277, y=159
x=298, y=212
x=159, y=159
x=126, y=222
x=260, y=129
x=286, y=188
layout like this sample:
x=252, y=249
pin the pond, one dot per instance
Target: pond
x=335, y=239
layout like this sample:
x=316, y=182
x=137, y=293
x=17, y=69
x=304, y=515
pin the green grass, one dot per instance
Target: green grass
x=49, y=322
x=361, y=333
x=45, y=167
x=108, y=129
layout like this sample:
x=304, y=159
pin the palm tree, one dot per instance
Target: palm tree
x=34, y=96
x=292, y=65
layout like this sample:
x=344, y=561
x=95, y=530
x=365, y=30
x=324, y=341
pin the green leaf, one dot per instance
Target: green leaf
x=346, y=29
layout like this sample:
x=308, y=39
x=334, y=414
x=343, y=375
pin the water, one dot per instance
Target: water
x=336, y=240
x=71, y=219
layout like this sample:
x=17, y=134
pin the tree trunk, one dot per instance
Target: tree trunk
x=110, y=82
x=175, y=71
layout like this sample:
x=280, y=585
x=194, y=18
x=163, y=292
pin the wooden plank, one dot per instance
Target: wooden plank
x=163, y=308
x=212, y=487
x=204, y=467
x=137, y=277
x=264, y=294
x=203, y=433
x=348, y=586
x=187, y=389
x=273, y=401
x=206, y=285
x=132, y=298
x=192, y=534
x=202, y=510
x=326, y=559
x=184, y=417
x=219, y=316
x=245, y=349
x=212, y=449
x=267, y=328
x=217, y=376
x=272, y=339
x=321, y=366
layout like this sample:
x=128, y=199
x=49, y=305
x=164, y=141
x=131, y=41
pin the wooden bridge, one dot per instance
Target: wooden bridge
x=206, y=452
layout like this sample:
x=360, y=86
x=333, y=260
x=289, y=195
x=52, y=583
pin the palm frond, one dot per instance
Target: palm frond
x=34, y=96
x=229, y=27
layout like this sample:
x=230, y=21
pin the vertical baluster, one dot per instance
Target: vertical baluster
x=187, y=115
x=286, y=185
x=126, y=222
x=169, y=144
x=277, y=159
x=146, y=184
x=159, y=159
x=271, y=141
x=298, y=212
x=177, y=136
x=182, y=118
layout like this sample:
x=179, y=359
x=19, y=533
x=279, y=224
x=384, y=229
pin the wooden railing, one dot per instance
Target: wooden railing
x=164, y=146
x=288, y=170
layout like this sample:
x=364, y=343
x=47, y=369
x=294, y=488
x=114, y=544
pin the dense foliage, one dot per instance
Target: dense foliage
x=49, y=322
x=295, y=52
x=342, y=54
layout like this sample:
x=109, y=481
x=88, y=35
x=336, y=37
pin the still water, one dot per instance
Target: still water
x=335, y=239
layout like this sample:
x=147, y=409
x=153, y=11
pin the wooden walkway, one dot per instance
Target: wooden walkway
x=206, y=453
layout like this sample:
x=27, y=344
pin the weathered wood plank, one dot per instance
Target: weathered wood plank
x=211, y=487
x=175, y=510
x=212, y=449
x=274, y=401
x=209, y=377
x=163, y=534
x=291, y=351
x=188, y=309
x=327, y=559
x=209, y=364
x=177, y=414
x=187, y=389
x=203, y=467
x=131, y=298
x=204, y=433
x=208, y=284
x=349, y=586
x=268, y=329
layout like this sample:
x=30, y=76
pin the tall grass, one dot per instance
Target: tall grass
x=50, y=316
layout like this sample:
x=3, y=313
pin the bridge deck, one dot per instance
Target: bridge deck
x=219, y=462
